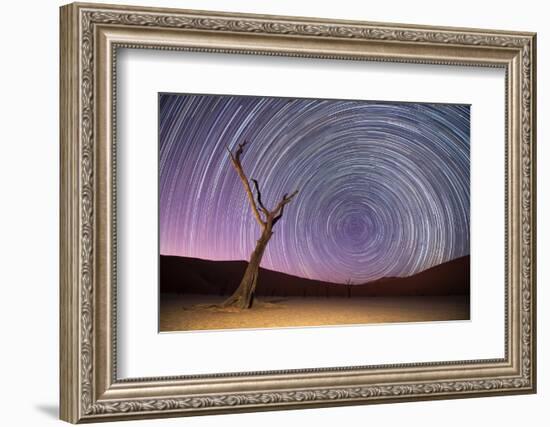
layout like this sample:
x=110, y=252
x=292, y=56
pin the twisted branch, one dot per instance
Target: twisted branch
x=286, y=199
x=271, y=216
x=259, y=198
x=236, y=161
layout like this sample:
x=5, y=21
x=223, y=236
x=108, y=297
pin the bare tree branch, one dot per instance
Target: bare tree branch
x=236, y=161
x=240, y=150
x=259, y=198
x=229, y=151
x=286, y=199
x=278, y=217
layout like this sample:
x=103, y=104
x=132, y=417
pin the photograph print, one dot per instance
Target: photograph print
x=292, y=212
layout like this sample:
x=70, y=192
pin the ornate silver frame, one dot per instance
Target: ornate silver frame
x=90, y=36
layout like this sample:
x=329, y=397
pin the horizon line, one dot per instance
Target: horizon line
x=318, y=280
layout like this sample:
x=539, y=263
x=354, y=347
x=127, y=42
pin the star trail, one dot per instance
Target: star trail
x=384, y=186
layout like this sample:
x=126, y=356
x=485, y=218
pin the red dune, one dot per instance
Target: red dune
x=205, y=277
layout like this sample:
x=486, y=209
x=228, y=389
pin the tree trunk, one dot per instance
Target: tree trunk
x=243, y=297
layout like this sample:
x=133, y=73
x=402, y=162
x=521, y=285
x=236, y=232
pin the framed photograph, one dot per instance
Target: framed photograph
x=354, y=245
x=266, y=212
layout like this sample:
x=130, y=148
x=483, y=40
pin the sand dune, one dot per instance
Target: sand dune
x=197, y=276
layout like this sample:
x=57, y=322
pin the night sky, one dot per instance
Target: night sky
x=384, y=187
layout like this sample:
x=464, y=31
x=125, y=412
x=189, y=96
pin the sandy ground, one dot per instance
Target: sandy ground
x=178, y=314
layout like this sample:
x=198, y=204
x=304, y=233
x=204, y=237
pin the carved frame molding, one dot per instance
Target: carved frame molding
x=90, y=37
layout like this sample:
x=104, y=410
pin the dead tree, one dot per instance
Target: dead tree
x=349, y=284
x=243, y=297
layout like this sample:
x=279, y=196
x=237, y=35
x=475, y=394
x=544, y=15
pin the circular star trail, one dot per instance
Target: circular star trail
x=383, y=186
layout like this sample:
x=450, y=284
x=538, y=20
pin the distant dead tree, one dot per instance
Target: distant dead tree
x=243, y=297
x=349, y=284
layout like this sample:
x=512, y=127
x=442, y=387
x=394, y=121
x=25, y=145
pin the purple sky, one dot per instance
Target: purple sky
x=384, y=187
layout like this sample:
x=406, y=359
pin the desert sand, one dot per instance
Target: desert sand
x=180, y=312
